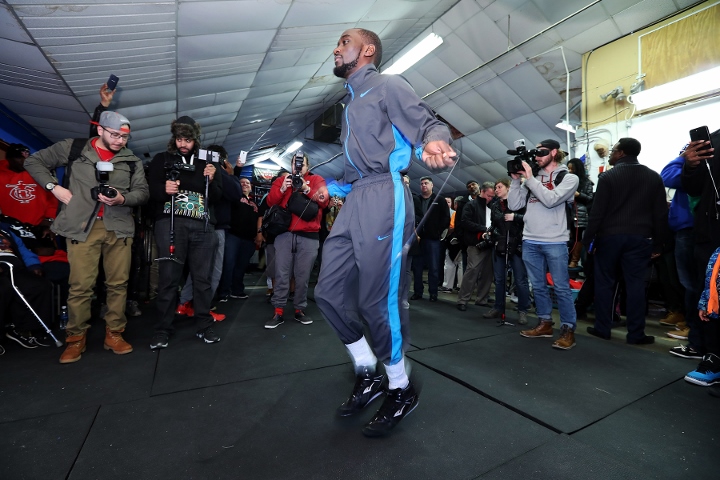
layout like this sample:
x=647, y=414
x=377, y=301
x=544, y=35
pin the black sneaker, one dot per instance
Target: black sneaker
x=302, y=318
x=23, y=338
x=43, y=341
x=208, y=335
x=275, y=321
x=398, y=403
x=685, y=351
x=159, y=340
x=224, y=298
x=2, y=350
x=368, y=386
x=241, y=296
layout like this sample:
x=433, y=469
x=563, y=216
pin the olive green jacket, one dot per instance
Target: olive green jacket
x=73, y=218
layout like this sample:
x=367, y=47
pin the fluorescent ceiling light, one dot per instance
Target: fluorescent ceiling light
x=677, y=90
x=293, y=147
x=565, y=126
x=427, y=45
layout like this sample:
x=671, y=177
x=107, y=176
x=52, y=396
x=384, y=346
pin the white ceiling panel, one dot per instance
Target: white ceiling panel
x=460, y=13
x=390, y=10
x=210, y=85
x=581, y=22
x=499, y=10
x=257, y=73
x=526, y=82
x=39, y=97
x=327, y=12
x=642, y=14
x=483, y=36
x=281, y=75
x=15, y=53
x=556, y=11
x=532, y=127
x=492, y=145
x=458, y=55
x=479, y=109
x=461, y=120
x=198, y=18
x=202, y=47
x=597, y=35
x=613, y=7
x=10, y=29
x=44, y=111
x=503, y=98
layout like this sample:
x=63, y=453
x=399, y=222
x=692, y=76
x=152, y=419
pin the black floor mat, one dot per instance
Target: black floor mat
x=564, y=457
x=564, y=389
x=673, y=433
x=247, y=350
x=34, y=383
x=284, y=427
x=43, y=447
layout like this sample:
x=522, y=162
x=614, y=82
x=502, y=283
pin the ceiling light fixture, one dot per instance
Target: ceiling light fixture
x=293, y=147
x=690, y=86
x=564, y=125
x=427, y=45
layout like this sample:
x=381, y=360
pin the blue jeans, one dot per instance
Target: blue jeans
x=539, y=258
x=521, y=281
x=431, y=250
x=238, y=252
x=632, y=253
x=685, y=261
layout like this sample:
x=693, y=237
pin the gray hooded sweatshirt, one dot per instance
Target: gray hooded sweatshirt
x=545, y=220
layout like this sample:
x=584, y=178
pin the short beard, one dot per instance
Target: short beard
x=343, y=70
x=108, y=147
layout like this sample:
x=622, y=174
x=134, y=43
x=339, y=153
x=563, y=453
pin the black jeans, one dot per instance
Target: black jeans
x=196, y=248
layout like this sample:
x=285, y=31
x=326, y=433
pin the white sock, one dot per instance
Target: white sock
x=362, y=355
x=269, y=283
x=397, y=377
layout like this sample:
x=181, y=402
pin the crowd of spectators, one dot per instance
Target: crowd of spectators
x=526, y=235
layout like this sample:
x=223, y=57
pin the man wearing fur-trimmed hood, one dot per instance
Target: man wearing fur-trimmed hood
x=186, y=186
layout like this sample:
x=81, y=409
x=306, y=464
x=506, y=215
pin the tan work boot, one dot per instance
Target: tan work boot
x=74, y=349
x=115, y=342
x=679, y=334
x=543, y=329
x=566, y=340
x=672, y=319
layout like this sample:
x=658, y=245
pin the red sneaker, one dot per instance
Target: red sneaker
x=218, y=317
x=185, y=309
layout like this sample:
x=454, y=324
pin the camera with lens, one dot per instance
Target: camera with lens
x=297, y=178
x=523, y=154
x=102, y=175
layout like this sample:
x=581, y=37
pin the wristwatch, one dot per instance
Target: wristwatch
x=50, y=186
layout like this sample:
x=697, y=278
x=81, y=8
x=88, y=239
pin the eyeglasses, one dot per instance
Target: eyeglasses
x=117, y=136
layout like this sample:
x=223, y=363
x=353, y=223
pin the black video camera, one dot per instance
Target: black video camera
x=102, y=175
x=297, y=178
x=521, y=153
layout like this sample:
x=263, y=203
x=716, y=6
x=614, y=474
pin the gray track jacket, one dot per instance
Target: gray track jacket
x=384, y=123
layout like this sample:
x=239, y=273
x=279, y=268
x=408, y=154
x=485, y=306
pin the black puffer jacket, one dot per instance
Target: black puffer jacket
x=500, y=228
x=583, y=202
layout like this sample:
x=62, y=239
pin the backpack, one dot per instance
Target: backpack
x=75, y=150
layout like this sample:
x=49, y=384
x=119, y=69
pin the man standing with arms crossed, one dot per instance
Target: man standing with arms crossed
x=363, y=275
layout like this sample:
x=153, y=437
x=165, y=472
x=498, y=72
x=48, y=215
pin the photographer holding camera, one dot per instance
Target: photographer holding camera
x=104, y=182
x=545, y=194
x=183, y=189
x=305, y=196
